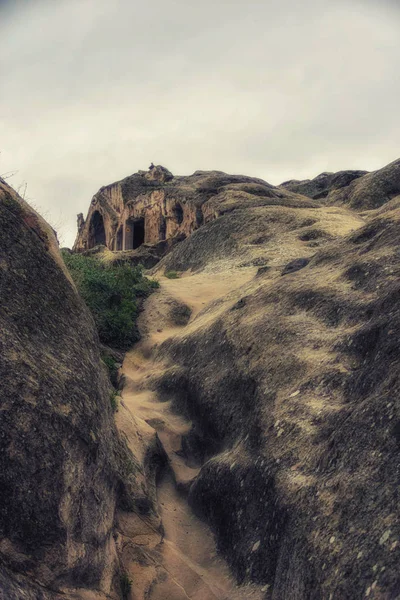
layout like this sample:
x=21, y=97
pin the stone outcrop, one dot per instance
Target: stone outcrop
x=144, y=208
x=62, y=463
x=269, y=368
x=154, y=206
x=292, y=386
x=370, y=191
x=320, y=186
x=358, y=189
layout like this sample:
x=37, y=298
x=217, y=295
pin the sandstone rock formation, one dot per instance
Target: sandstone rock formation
x=63, y=467
x=151, y=207
x=143, y=208
x=371, y=191
x=289, y=386
x=154, y=206
x=265, y=393
x=358, y=189
x=320, y=186
x=297, y=427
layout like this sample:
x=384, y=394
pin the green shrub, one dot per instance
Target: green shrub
x=110, y=363
x=113, y=400
x=172, y=275
x=126, y=585
x=111, y=293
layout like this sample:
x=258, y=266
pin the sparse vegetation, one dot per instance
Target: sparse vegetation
x=172, y=275
x=113, y=400
x=126, y=586
x=112, y=293
x=110, y=363
x=112, y=366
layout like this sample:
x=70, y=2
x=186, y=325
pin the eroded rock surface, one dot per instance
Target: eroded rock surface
x=63, y=467
x=371, y=191
x=320, y=186
x=358, y=189
x=265, y=389
x=153, y=206
x=291, y=385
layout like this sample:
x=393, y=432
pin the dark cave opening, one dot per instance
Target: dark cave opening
x=134, y=233
x=178, y=213
x=119, y=239
x=97, y=234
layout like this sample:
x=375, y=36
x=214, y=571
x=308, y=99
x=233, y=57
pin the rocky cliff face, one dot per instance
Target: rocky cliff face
x=62, y=464
x=291, y=384
x=358, y=189
x=323, y=184
x=300, y=421
x=265, y=387
x=154, y=206
x=143, y=208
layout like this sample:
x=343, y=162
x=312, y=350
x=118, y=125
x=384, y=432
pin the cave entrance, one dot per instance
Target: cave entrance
x=119, y=239
x=97, y=234
x=178, y=213
x=134, y=233
x=163, y=229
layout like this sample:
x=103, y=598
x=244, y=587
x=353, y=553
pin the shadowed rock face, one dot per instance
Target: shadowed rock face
x=293, y=386
x=371, y=191
x=291, y=381
x=320, y=186
x=358, y=189
x=61, y=461
x=153, y=206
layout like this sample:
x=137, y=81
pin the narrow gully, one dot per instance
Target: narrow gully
x=182, y=562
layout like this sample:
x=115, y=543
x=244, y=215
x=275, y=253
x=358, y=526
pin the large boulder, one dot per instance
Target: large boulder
x=371, y=191
x=59, y=449
x=320, y=186
x=292, y=384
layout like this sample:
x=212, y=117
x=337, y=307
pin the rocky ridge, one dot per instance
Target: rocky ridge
x=264, y=391
x=64, y=469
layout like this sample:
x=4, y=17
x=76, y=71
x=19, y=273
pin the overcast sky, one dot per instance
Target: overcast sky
x=94, y=90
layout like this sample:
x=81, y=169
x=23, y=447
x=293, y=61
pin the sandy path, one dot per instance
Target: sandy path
x=186, y=564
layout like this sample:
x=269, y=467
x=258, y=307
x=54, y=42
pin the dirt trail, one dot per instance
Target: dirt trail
x=183, y=563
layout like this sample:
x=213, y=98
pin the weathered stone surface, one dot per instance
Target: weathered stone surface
x=371, y=191
x=289, y=387
x=292, y=385
x=61, y=460
x=159, y=174
x=358, y=189
x=151, y=207
x=295, y=265
x=320, y=186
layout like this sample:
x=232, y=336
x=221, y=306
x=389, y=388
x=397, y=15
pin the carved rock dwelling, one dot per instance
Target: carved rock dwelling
x=146, y=207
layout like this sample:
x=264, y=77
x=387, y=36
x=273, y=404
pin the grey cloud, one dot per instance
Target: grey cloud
x=93, y=90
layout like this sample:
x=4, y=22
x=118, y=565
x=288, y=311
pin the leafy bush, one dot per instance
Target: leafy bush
x=114, y=401
x=110, y=363
x=111, y=293
x=126, y=585
x=172, y=275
